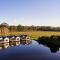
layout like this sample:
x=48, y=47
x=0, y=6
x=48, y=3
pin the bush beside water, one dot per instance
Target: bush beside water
x=53, y=42
x=50, y=40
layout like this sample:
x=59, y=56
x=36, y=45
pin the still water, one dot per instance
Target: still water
x=27, y=51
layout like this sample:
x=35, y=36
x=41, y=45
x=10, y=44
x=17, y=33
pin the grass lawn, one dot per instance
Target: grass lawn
x=36, y=34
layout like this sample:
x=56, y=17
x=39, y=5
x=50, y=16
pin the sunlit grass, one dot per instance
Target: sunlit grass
x=36, y=34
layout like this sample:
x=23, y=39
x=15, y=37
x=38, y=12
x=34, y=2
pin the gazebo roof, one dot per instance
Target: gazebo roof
x=4, y=24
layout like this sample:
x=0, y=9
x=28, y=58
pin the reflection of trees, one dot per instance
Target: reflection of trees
x=53, y=42
x=54, y=49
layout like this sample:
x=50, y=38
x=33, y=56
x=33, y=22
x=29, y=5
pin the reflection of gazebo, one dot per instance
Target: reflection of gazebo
x=4, y=29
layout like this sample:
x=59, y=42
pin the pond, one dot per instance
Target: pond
x=28, y=51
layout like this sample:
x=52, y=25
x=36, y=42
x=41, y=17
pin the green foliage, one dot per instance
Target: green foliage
x=30, y=28
x=20, y=28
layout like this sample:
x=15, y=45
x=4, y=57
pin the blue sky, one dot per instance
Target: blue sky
x=30, y=12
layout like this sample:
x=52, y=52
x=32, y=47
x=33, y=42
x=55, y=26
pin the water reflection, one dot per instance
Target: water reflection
x=4, y=45
x=52, y=42
x=14, y=43
x=27, y=42
x=53, y=48
x=17, y=43
x=28, y=50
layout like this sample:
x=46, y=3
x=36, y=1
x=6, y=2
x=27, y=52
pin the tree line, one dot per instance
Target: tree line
x=33, y=28
x=29, y=28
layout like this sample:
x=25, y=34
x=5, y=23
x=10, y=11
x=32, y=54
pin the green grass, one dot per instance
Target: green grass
x=36, y=34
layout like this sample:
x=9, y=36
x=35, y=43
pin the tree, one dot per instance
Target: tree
x=20, y=28
x=13, y=28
